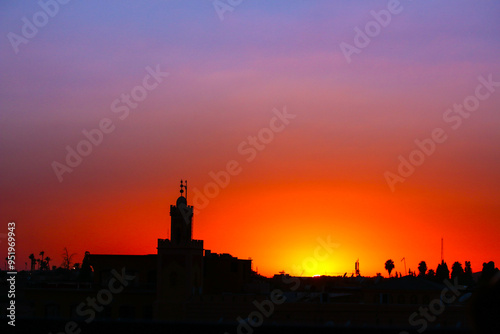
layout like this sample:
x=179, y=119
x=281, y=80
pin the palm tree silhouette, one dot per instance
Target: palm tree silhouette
x=468, y=269
x=422, y=268
x=42, y=253
x=389, y=265
x=431, y=274
x=32, y=258
x=47, y=261
x=456, y=270
x=442, y=271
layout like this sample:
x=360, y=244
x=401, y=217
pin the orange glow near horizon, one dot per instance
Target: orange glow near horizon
x=318, y=176
x=281, y=227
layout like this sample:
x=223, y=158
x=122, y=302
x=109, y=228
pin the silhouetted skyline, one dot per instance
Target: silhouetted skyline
x=185, y=283
x=106, y=105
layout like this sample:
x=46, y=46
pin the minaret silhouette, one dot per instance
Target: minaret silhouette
x=181, y=223
x=180, y=260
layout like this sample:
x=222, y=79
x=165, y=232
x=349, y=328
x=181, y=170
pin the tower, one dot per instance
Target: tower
x=181, y=221
x=180, y=261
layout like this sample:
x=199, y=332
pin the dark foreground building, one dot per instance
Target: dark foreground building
x=185, y=287
x=143, y=287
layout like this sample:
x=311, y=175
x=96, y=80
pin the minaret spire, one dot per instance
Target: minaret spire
x=183, y=186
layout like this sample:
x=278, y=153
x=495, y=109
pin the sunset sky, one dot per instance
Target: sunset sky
x=322, y=174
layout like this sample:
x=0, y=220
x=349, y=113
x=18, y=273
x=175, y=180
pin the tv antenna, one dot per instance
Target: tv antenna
x=442, y=251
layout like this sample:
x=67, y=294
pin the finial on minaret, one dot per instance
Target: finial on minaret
x=184, y=186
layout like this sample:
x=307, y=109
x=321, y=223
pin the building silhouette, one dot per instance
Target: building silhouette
x=162, y=283
x=185, y=283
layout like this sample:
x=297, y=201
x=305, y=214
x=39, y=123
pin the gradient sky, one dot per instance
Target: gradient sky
x=321, y=177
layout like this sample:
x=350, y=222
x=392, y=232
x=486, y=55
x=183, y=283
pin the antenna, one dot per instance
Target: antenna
x=442, y=250
x=404, y=259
